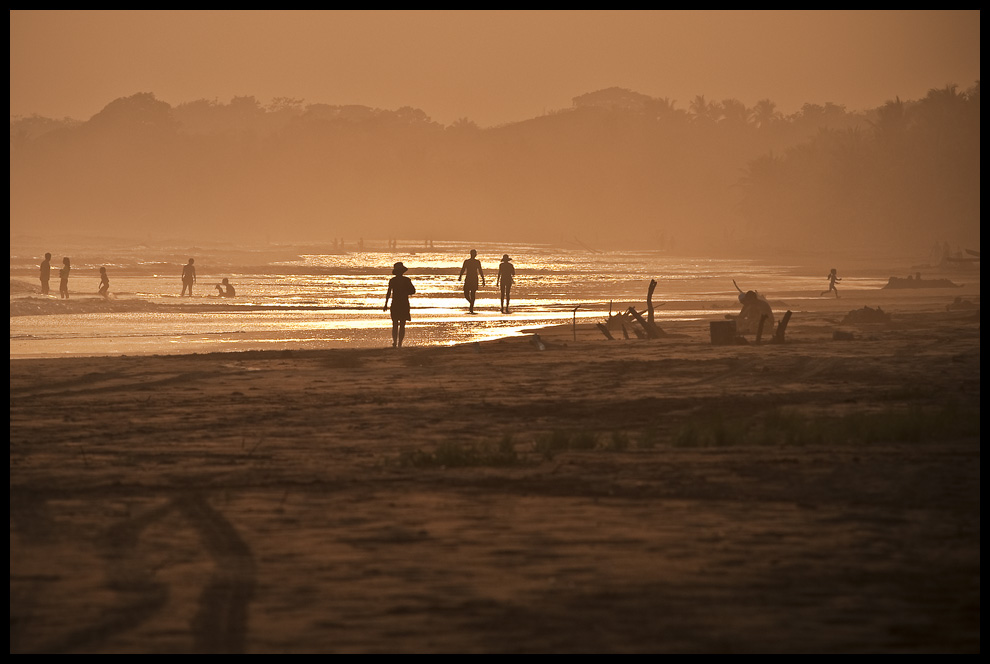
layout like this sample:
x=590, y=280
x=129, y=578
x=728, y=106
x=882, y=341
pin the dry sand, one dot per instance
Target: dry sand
x=665, y=495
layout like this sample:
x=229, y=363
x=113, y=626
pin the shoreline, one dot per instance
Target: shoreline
x=451, y=329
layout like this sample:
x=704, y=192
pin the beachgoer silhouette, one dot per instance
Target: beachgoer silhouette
x=63, y=276
x=46, y=272
x=104, y=283
x=754, y=308
x=471, y=272
x=832, y=278
x=504, y=280
x=188, y=277
x=225, y=289
x=400, y=287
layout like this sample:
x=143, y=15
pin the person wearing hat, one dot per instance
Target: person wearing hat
x=400, y=287
x=506, y=275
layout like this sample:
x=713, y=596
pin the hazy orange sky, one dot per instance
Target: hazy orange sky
x=491, y=67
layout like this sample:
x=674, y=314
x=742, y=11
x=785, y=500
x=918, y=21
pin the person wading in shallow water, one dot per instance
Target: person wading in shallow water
x=188, y=277
x=63, y=278
x=46, y=273
x=506, y=276
x=104, y=283
x=400, y=287
x=225, y=288
x=471, y=272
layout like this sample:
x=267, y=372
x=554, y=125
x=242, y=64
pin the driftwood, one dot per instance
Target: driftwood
x=652, y=331
x=778, y=337
x=759, y=328
x=649, y=301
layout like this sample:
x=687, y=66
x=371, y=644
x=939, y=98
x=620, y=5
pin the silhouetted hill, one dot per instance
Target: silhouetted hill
x=616, y=169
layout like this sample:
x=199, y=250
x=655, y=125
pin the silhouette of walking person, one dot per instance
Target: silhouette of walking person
x=188, y=277
x=471, y=272
x=104, y=283
x=504, y=280
x=46, y=273
x=832, y=278
x=400, y=287
x=225, y=288
x=63, y=277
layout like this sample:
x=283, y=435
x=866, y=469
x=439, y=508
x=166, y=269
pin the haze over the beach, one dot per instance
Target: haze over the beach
x=491, y=67
x=699, y=132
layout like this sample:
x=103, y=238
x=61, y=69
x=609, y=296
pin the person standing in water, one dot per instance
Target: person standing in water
x=400, y=287
x=188, y=277
x=63, y=277
x=506, y=276
x=104, y=283
x=46, y=273
x=832, y=278
x=472, y=269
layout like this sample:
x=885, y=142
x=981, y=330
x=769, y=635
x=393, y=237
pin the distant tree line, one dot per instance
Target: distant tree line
x=617, y=168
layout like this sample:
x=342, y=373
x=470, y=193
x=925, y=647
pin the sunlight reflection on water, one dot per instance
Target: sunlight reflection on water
x=327, y=300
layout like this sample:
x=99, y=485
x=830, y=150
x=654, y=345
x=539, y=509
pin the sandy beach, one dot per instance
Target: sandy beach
x=666, y=495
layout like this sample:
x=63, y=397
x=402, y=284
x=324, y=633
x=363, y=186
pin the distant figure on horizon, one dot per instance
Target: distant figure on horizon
x=472, y=269
x=506, y=276
x=104, y=283
x=63, y=276
x=46, y=273
x=400, y=287
x=188, y=277
x=832, y=278
x=225, y=289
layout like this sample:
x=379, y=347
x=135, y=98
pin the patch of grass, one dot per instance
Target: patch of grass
x=550, y=444
x=460, y=455
x=648, y=438
x=583, y=440
x=619, y=441
x=787, y=427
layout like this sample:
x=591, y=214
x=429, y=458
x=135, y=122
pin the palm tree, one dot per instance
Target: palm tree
x=734, y=112
x=765, y=114
x=702, y=110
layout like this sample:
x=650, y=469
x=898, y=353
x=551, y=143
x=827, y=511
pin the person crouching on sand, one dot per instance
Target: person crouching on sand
x=754, y=309
x=400, y=287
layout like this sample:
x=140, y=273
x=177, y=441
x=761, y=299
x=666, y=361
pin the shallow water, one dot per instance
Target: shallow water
x=299, y=297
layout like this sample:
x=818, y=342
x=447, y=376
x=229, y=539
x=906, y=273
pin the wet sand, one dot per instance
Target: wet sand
x=638, y=495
